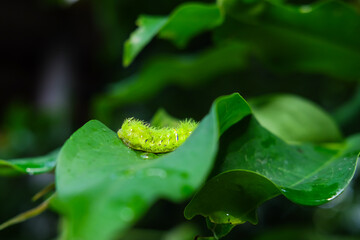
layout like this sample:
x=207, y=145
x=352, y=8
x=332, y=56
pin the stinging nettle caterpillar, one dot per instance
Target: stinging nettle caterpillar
x=141, y=136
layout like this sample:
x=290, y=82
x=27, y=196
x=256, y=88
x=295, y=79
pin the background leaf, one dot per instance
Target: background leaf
x=31, y=165
x=104, y=186
x=185, y=71
x=149, y=26
x=189, y=20
x=162, y=119
x=186, y=21
x=295, y=119
x=298, y=39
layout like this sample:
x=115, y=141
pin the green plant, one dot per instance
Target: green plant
x=242, y=153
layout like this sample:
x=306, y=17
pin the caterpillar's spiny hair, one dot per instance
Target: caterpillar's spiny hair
x=141, y=136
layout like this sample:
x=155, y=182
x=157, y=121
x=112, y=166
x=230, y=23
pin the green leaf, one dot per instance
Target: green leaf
x=258, y=166
x=295, y=119
x=186, y=21
x=185, y=231
x=149, y=26
x=219, y=230
x=232, y=198
x=185, y=71
x=103, y=186
x=298, y=38
x=242, y=8
x=31, y=165
x=162, y=119
x=189, y=20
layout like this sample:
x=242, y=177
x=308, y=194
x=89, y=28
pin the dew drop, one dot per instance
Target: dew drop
x=145, y=156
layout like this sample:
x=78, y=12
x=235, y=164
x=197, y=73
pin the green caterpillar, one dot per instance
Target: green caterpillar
x=141, y=136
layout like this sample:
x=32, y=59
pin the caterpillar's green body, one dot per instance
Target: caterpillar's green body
x=141, y=136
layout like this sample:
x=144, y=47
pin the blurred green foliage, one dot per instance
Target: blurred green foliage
x=180, y=57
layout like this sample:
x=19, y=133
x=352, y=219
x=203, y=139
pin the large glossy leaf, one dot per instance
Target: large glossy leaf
x=258, y=166
x=185, y=71
x=103, y=186
x=296, y=38
x=185, y=22
x=31, y=165
x=295, y=119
